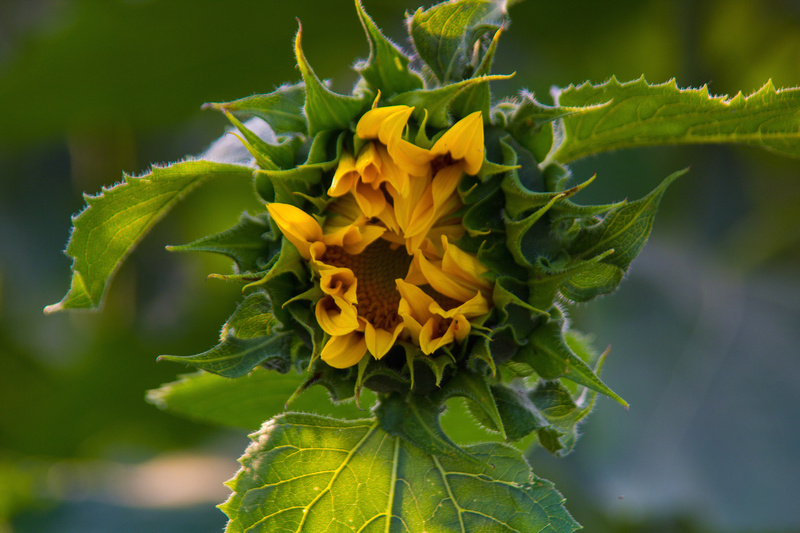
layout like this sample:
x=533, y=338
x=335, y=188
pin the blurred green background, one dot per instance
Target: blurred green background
x=705, y=332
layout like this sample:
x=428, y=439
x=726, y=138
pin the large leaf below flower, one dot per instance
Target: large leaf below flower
x=640, y=114
x=115, y=221
x=312, y=473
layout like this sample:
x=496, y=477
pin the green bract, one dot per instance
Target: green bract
x=522, y=372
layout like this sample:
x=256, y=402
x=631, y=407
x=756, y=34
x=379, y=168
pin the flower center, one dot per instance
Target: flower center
x=375, y=270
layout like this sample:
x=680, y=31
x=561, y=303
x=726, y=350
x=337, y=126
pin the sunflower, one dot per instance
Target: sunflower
x=384, y=251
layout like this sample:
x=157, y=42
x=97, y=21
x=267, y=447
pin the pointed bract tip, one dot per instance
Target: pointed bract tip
x=53, y=308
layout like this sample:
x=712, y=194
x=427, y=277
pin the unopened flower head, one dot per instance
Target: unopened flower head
x=384, y=250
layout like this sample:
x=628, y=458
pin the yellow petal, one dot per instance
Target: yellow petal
x=344, y=351
x=379, y=341
x=466, y=267
x=371, y=201
x=417, y=302
x=338, y=281
x=353, y=238
x=335, y=316
x=296, y=225
x=345, y=176
x=442, y=282
x=476, y=306
x=384, y=123
x=429, y=338
x=461, y=327
x=410, y=157
x=464, y=143
x=387, y=124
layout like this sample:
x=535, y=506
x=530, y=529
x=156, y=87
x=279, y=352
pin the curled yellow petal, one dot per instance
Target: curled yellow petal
x=345, y=176
x=464, y=142
x=354, y=238
x=441, y=281
x=431, y=337
x=384, y=123
x=466, y=267
x=296, y=225
x=344, y=351
x=387, y=124
x=335, y=316
x=338, y=281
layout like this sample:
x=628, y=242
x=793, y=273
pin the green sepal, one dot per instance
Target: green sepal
x=496, y=257
x=438, y=364
x=519, y=415
x=324, y=109
x=288, y=261
x=250, y=243
x=510, y=298
x=596, y=280
x=416, y=420
x=478, y=97
x=484, y=215
x=624, y=229
x=532, y=123
x=435, y=102
x=546, y=279
x=386, y=69
x=247, y=340
x=474, y=387
x=247, y=278
x=516, y=231
x=290, y=186
x=268, y=156
x=282, y=109
x=480, y=357
x=382, y=379
x=563, y=414
x=338, y=382
x=519, y=198
x=444, y=35
x=281, y=281
x=551, y=357
x=114, y=222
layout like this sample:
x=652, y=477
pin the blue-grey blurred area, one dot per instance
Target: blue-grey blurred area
x=703, y=333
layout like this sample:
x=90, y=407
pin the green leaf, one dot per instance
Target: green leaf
x=624, y=229
x=115, y=221
x=246, y=401
x=640, y=114
x=325, y=109
x=307, y=473
x=282, y=109
x=247, y=340
x=444, y=35
x=387, y=67
x=245, y=243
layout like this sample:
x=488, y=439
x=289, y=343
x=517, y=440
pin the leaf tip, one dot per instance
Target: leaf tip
x=53, y=308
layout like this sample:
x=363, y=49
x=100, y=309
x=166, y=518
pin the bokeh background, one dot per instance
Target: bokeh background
x=705, y=331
